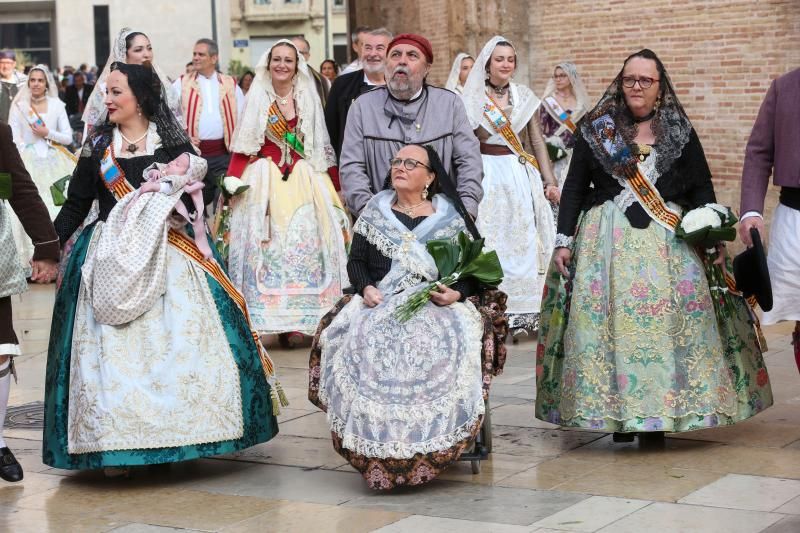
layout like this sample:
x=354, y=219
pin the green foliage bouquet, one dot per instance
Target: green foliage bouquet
x=457, y=260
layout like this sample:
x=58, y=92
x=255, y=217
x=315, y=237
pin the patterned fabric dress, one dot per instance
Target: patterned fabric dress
x=288, y=239
x=632, y=343
x=406, y=403
x=182, y=380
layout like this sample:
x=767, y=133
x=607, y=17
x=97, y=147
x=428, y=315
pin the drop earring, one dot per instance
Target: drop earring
x=425, y=192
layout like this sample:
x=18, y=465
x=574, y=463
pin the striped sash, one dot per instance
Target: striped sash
x=502, y=125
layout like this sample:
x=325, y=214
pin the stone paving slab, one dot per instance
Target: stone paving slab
x=539, y=479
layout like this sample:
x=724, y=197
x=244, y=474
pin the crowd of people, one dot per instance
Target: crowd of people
x=207, y=217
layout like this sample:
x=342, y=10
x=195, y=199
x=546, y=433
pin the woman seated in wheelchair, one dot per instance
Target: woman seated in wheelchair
x=404, y=399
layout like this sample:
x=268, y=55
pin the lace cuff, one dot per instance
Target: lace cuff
x=562, y=241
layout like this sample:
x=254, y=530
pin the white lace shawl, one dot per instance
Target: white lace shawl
x=396, y=389
x=95, y=111
x=452, y=83
x=411, y=262
x=524, y=100
x=251, y=128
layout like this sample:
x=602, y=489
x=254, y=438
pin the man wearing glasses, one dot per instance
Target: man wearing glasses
x=408, y=111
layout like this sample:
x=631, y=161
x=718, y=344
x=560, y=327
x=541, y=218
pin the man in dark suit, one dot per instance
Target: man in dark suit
x=77, y=94
x=348, y=87
x=774, y=149
x=22, y=196
x=322, y=83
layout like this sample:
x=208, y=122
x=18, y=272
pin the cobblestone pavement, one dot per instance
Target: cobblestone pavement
x=744, y=478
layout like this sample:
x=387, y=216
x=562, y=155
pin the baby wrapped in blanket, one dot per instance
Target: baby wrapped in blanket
x=127, y=274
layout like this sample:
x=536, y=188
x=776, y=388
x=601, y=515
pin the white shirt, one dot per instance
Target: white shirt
x=352, y=67
x=55, y=119
x=210, y=126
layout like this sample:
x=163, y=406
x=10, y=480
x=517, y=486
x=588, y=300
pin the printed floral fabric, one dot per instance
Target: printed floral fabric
x=632, y=343
x=288, y=242
x=387, y=473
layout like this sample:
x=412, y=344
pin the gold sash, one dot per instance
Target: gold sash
x=502, y=125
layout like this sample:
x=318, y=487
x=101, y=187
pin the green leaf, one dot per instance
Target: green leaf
x=485, y=268
x=445, y=254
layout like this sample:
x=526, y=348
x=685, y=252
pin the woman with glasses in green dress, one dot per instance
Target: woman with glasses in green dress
x=630, y=342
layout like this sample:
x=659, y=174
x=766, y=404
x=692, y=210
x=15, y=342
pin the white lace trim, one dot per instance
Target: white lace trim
x=563, y=241
x=376, y=238
x=626, y=198
x=366, y=416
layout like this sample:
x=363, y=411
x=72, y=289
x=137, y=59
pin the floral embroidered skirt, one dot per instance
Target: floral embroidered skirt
x=387, y=472
x=633, y=343
x=288, y=247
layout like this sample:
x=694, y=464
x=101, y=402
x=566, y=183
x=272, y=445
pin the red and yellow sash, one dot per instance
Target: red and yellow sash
x=116, y=182
x=650, y=199
x=192, y=104
x=502, y=125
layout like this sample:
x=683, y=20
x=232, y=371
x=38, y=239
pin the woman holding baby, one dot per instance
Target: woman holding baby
x=152, y=358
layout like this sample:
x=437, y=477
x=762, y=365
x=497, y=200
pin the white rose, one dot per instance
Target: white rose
x=232, y=184
x=702, y=217
x=720, y=209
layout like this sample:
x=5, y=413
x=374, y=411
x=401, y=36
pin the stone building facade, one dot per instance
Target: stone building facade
x=721, y=54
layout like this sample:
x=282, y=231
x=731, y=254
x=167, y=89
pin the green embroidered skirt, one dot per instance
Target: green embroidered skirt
x=633, y=342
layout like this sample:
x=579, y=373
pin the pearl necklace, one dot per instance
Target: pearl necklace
x=132, y=148
x=408, y=210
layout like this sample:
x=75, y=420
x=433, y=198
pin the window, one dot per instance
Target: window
x=102, y=41
x=30, y=38
x=262, y=2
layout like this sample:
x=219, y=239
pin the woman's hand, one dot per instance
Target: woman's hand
x=722, y=254
x=372, y=296
x=562, y=257
x=445, y=295
x=41, y=130
x=44, y=271
x=552, y=193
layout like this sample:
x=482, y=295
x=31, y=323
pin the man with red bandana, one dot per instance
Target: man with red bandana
x=408, y=111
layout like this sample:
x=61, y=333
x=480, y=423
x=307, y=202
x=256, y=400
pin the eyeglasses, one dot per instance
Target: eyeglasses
x=408, y=163
x=559, y=76
x=644, y=83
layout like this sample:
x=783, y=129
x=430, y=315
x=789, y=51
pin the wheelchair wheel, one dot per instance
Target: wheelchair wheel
x=476, y=466
x=486, y=429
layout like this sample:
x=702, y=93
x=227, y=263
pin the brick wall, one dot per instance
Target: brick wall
x=720, y=54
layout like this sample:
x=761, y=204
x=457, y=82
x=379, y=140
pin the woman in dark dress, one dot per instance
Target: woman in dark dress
x=405, y=399
x=185, y=378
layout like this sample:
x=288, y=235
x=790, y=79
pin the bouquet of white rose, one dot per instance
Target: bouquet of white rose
x=230, y=186
x=704, y=227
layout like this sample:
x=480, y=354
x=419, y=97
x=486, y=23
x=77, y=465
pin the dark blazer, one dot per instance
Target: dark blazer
x=346, y=88
x=322, y=84
x=25, y=200
x=774, y=145
x=687, y=183
x=71, y=98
